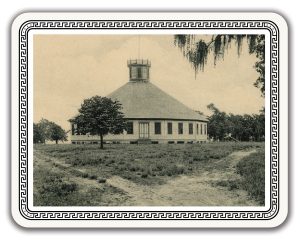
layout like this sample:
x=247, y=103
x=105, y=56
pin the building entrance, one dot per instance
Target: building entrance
x=143, y=130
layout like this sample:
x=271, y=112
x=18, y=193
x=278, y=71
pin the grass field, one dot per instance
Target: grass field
x=158, y=174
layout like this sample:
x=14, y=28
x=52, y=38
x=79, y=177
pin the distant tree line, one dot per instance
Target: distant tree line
x=223, y=126
x=46, y=130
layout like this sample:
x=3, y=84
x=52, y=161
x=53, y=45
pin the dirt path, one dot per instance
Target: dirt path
x=46, y=162
x=185, y=190
x=194, y=190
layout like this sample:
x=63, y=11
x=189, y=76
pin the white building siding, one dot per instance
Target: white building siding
x=164, y=137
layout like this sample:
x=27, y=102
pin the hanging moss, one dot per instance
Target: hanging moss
x=184, y=42
x=251, y=43
x=198, y=57
x=219, y=44
x=197, y=51
x=239, y=40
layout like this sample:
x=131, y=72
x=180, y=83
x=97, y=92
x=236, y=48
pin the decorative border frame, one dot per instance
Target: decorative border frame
x=140, y=25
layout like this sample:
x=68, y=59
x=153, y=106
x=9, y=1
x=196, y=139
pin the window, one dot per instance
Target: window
x=157, y=128
x=129, y=128
x=144, y=130
x=139, y=73
x=191, y=128
x=170, y=128
x=133, y=72
x=205, y=129
x=201, y=129
x=180, y=128
x=197, y=128
x=145, y=72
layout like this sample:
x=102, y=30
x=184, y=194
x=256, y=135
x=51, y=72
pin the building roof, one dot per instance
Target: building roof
x=143, y=100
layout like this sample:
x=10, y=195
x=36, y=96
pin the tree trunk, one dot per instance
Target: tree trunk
x=56, y=141
x=101, y=141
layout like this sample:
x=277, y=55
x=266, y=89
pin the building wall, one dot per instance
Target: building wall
x=164, y=137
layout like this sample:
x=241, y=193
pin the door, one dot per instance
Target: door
x=143, y=130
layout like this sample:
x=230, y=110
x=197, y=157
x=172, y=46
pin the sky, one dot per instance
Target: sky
x=71, y=68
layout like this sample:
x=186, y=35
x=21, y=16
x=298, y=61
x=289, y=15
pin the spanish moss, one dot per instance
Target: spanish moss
x=197, y=51
x=218, y=47
x=198, y=57
x=251, y=43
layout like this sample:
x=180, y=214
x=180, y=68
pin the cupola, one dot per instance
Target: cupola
x=139, y=70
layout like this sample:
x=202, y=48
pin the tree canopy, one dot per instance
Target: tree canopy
x=99, y=116
x=245, y=127
x=47, y=130
x=197, y=50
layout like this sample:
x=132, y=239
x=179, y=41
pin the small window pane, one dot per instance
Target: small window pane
x=139, y=73
x=133, y=73
x=145, y=73
x=170, y=128
x=157, y=127
x=129, y=128
x=191, y=128
x=201, y=129
x=197, y=128
x=180, y=128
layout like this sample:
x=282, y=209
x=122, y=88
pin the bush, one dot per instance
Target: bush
x=92, y=177
x=144, y=175
x=252, y=170
x=230, y=184
x=200, y=158
x=85, y=175
x=172, y=170
x=54, y=185
x=101, y=180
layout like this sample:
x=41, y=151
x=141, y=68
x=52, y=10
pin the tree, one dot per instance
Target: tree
x=38, y=134
x=99, y=116
x=241, y=127
x=47, y=130
x=217, y=125
x=197, y=50
x=57, y=133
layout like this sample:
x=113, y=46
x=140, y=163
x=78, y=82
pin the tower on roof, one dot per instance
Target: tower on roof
x=139, y=70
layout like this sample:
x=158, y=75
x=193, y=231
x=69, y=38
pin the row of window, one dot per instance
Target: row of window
x=157, y=128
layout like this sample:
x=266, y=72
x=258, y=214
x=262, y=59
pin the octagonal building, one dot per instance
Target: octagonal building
x=152, y=115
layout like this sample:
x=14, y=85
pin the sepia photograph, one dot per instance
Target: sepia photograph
x=138, y=120
x=149, y=120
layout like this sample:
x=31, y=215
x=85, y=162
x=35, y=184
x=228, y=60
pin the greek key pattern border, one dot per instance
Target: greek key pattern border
x=139, y=25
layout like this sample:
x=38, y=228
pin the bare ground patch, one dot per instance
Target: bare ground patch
x=193, y=190
x=89, y=191
x=194, y=181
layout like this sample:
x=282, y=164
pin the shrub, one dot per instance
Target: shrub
x=101, y=180
x=92, y=177
x=144, y=175
x=252, y=170
x=172, y=170
x=85, y=175
x=230, y=184
x=200, y=158
x=132, y=168
x=54, y=185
